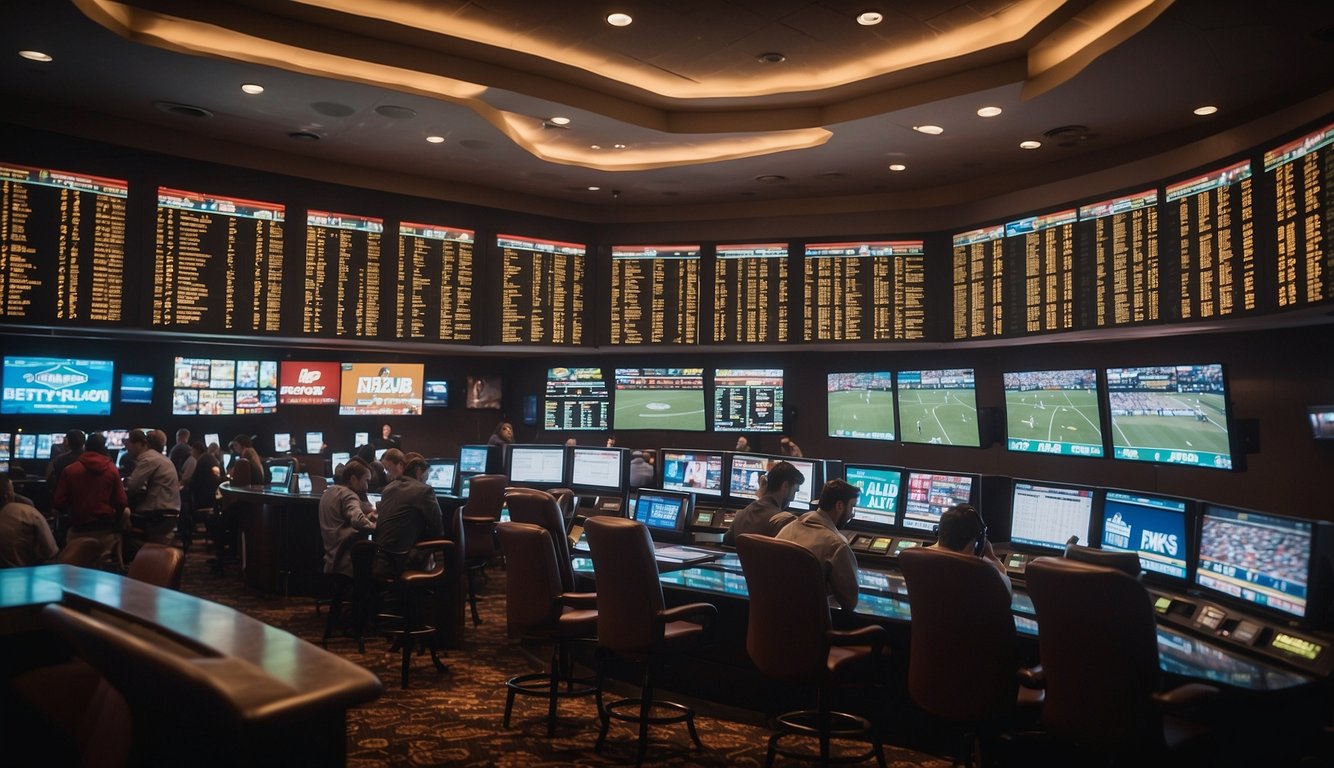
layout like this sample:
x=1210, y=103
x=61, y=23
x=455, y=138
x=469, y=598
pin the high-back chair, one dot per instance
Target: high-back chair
x=1126, y=562
x=85, y=552
x=1099, y=650
x=790, y=638
x=635, y=624
x=159, y=565
x=486, y=498
x=529, y=505
x=540, y=609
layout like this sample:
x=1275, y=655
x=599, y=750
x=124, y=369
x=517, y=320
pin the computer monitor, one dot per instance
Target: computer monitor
x=748, y=468
x=304, y=485
x=281, y=474
x=441, y=474
x=465, y=482
x=282, y=442
x=5, y=439
x=1045, y=516
x=878, y=503
x=598, y=470
x=361, y=438
x=666, y=513
x=210, y=438
x=930, y=494
x=338, y=459
x=380, y=452
x=541, y=466
x=474, y=459
x=1322, y=421
x=698, y=472
x=1152, y=526
x=314, y=443
x=1259, y=559
x=4, y=466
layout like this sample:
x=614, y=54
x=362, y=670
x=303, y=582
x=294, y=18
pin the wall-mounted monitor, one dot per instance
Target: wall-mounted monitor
x=659, y=398
x=929, y=494
x=576, y=400
x=314, y=443
x=748, y=468
x=6, y=439
x=136, y=389
x=665, y=513
x=541, y=466
x=879, y=500
x=1152, y=526
x=361, y=438
x=1260, y=559
x=210, y=438
x=475, y=459
x=436, y=394
x=748, y=400
x=598, y=470
x=61, y=386
x=484, y=392
x=1046, y=516
x=381, y=389
x=1321, y=418
x=282, y=442
x=215, y=387
x=1053, y=412
x=698, y=472
x=938, y=407
x=1170, y=414
x=308, y=383
x=25, y=446
x=442, y=474
x=861, y=405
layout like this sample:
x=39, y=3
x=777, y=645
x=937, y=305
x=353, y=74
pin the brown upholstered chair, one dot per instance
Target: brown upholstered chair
x=540, y=609
x=486, y=497
x=634, y=624
x=1126, y=562
x=529, y=505
x=790, y=637
x=964, y=661
x=159, y=565
x=85, y=552
x=1099, y=650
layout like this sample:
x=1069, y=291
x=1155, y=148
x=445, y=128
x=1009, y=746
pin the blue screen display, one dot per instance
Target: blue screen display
x=45, y=385
x=879, y=500
x=436, y=394
x=663, y=512
x=136, y=388
x=1154, y=527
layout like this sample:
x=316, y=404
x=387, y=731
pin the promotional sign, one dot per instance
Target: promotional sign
x=385, y=389
x=308, y=383
x=44, y=385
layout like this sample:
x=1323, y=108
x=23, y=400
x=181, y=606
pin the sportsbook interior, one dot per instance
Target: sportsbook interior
x=1118, y=339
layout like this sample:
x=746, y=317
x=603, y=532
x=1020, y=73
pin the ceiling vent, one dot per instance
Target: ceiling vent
x=183, y=110
x=1069, y=135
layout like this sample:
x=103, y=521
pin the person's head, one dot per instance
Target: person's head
x=650, y=455
x=393, y=461
x=415, y=467
x=837, y=499
x=505, y=431
x=782, y=481
x=215, y=450
x=137, y=442
x=75, y=440
x=742, y=444
x=357, y=476
x=386, y=432
x=97, y=443
x=240, y=443
x=6, y=490
x=611, y=441
x=183, y=436
x=959, y=528
x=197, y=448
x=157, y=440
x=570, y=441
x=366, y=453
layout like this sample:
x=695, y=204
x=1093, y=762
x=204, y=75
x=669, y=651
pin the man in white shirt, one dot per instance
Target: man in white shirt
x=153, y=487
x=820, y=531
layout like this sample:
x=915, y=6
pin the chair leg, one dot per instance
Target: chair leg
x=822, y=715
x=603, y=714
x=645, y=710
x=556, y=673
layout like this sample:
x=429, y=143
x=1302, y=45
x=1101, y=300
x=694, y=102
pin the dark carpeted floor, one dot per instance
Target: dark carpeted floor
x=454, y=718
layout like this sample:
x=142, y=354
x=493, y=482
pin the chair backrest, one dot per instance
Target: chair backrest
x=158, y=565
x=629, y=592
x=532, y=581
x=1099, y=648
x=962, y=662
x=486, y=496
x=529, y=505
x=787, y=634
x=84, y=552
x=1126, y=562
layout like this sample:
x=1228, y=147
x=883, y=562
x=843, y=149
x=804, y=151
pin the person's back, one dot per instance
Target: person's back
x=408, y=513
x=154, y=484
x=819, y=531
x=25, y=537
x=963, y=530
x=342, y=514
x=641, y=472
x=766, y=515
x=91, y=490
x=74, y=444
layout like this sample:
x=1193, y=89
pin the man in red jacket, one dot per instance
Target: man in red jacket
x=91, y=490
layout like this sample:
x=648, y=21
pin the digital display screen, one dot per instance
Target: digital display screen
x=646, y=278
x=1322, y=421
x=1264, y=560
x=484, y=392
x=282, y=442
x=692, y=471
x=308, y=383
x=25, y=446
x=1209, y=251
x=1152, y=526
x=434, y=293
x=542, y=291
x=338, y=459
x=440, y=474
x=661, y=511
x=1118, y=262
x=1053, y=412
x=747, y=469
x=314, y=442
x=435, y=394
x=597, y=468
x=541, y=465
x=1171, y=414
x=659, y=398
x=211, y=387
x=56, y=386
x=1048, y=515
x=383, y=389
x=879, y=499
x=748, y=400
x=938, y=407
x=865, y=291
x=1301, y=172
x=472, y=458
x=861, y=405
x=750, y=289
x=342, y=276
x=576, y=400
x=929, y=495
x=136, y=389
x=278, y=475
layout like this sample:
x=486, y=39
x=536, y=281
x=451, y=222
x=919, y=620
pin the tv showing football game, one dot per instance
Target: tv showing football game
x=381, y=389
x=938, y=407
x=213, y=387
x=576, y=400
x=56, y=386
x=861, y=405
x=879, y=499
x=1170, y=414
x=1047, y=516
x=1053, y=412
x=1261, y=559
x=748, y=400
x=659, y=398
x=1152, y=526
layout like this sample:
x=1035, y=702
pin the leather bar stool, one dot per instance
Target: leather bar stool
x=486, y=498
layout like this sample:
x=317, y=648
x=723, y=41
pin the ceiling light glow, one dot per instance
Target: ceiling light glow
x=618, y=146
x=870, y=18
x=254, y=89
x=1207, y=109
x=594, y=189
x=559, y=120
x=436, y=139
x=989, y=111
x=898, y=167
x=930, y=130
x=619, y=19
x=1029, y=144
x=35, y=56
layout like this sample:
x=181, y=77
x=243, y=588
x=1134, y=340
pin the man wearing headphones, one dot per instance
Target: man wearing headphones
x=963, y=530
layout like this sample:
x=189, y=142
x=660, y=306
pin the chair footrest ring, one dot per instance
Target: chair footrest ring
x=680, y=712
x=805, y=721
x=539, y=684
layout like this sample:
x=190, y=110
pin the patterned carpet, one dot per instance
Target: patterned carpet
x=455, y=718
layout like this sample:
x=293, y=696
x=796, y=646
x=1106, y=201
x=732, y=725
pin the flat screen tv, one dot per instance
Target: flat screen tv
x=436, y=394
x=136, y=389
x=929, y=494
x=381, y=389
x=1053, y=412
x=1259, y=559
x=861, y=405
x=598, y=470
x=748, y=400
x=282, y=442
x=1170, y=414
x=748, y=468
x=484, y=392
x=441, y=475
x=58, y=386
x=217, y=387
x=665, y=513
x=474, y=459
x=576, y=400
x=541, y=466
x=659, y=398
x=1152, y=526
x=698, y=472
x=1046, y=516
x=314, y=443
x=938, y=407
x=879, y=500
x=1321, y=418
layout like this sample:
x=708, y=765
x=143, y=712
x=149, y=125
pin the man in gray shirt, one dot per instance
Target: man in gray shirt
x=25, y=538
x=344, y=513
x=767, y=514
x=153, y=487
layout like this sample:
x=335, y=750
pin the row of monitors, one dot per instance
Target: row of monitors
x=48, y=445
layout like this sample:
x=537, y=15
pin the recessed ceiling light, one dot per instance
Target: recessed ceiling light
x=931, y=130
x=254, y=89
x=595, y=146
x=1208, y=109
x=772, y=57
x=898, y=167
x=558, y=120
x=989, y=111
x=436, y=139
x=1029, y=144
x=594, y=189
x=35, y=55
x=620, y=19
x=870, y=18
x=618, y=146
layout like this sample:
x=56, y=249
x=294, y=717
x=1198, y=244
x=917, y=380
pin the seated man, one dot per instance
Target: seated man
x=409, y=512
x=343, y=512
x=766, y=515
x=90, y=489
x=820, y=532
x=25, y=538
x=154, y=487
x=963, y=530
